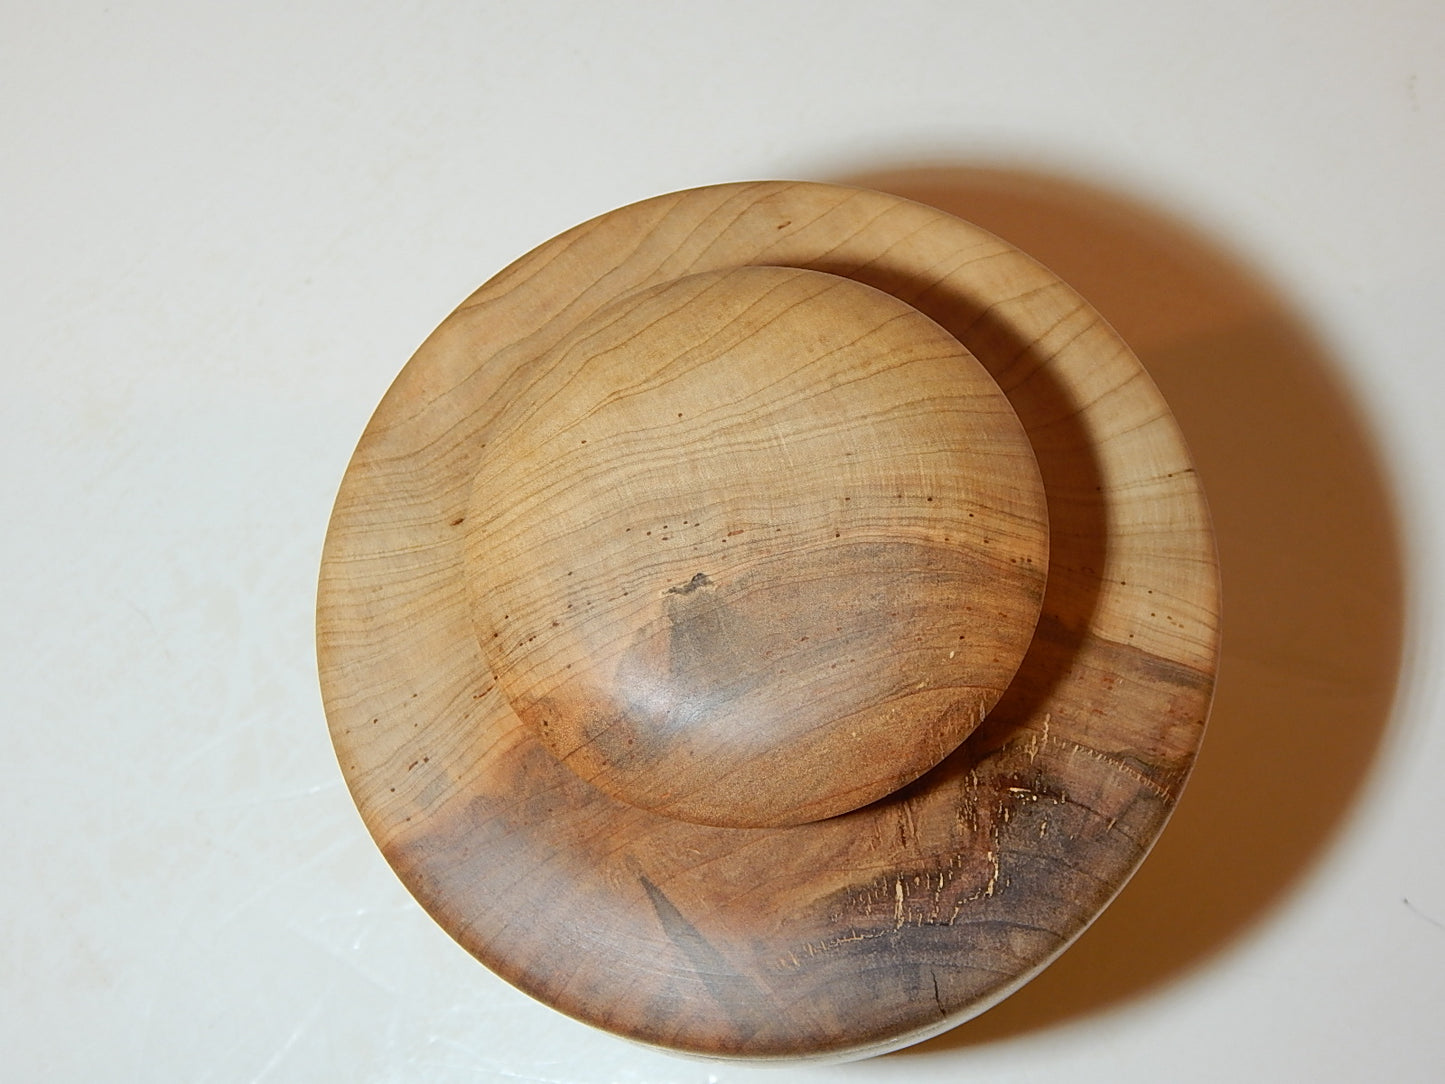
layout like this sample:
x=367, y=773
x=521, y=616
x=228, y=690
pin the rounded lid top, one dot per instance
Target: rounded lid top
x=756, y=547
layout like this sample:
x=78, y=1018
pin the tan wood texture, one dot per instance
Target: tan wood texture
x=756, y=547
x=836, y=937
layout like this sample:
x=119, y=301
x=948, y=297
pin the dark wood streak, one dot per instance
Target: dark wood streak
x=729, y=989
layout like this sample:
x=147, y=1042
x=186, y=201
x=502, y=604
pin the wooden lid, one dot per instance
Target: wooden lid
x=756, y=547
x=611, y=765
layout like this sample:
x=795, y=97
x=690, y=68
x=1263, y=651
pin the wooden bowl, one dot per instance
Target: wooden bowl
x=769, y=621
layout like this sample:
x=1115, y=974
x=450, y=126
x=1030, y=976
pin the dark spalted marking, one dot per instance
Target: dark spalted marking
x=1024, y=836
x=780, y=674
x=1157, y=737
x=731, y=990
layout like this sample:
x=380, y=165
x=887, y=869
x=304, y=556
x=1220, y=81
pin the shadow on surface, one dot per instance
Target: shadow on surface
x=1312, y=570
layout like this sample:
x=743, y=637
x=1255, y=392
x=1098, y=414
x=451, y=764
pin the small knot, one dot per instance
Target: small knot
x=700, y=580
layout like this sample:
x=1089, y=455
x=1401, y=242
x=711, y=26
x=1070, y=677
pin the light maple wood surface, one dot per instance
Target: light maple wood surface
x=756, y=547
x=536, y=775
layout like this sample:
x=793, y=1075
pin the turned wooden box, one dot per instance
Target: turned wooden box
x=770, y=620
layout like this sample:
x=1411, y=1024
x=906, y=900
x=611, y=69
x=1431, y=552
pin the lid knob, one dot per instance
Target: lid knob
x=755, y=547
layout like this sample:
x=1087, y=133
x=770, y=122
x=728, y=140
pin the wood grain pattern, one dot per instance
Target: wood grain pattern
x=756, y=547
x=840, y=937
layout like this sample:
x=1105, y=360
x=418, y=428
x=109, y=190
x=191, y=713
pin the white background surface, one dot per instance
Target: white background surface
x=224, y=228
